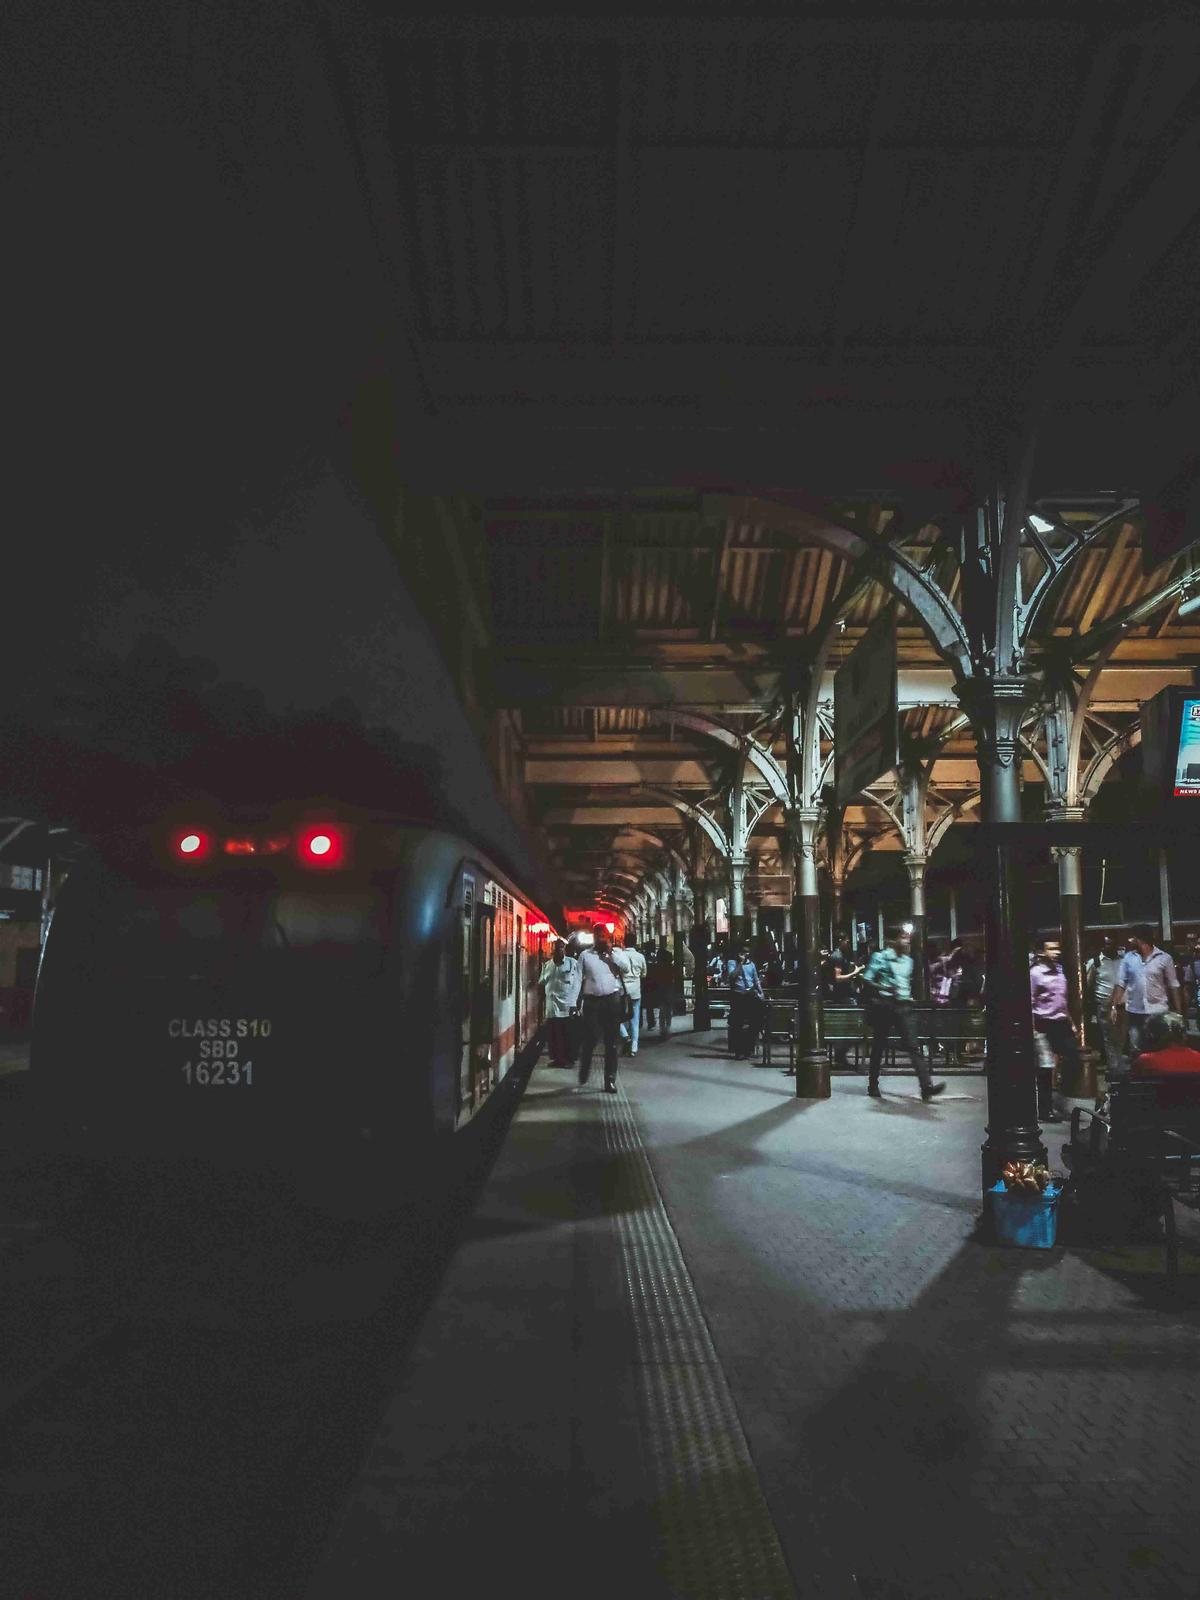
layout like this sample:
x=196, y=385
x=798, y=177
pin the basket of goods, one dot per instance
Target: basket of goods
x=1024, y=1205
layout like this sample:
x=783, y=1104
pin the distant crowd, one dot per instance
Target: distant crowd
x=1138, y=996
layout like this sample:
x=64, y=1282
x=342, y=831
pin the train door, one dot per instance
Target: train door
x=483, y=1003
x=519, y=981
x=466, y=993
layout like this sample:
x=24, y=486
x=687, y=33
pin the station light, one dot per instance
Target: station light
x=907, y=926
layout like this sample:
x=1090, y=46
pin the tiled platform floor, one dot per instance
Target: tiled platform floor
x=926, y=1416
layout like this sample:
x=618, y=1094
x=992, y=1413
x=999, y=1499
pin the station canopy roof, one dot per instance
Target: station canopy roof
x=680, y=290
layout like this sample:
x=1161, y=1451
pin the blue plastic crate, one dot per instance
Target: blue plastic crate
x=1025, y=1219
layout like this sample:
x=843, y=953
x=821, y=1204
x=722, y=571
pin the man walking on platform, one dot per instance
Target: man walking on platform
x=1146, y=986
x=602, y=998
x=1103, y=973
x=746, y=999
x=633, y=987
x=1052, y=1021
x=888, y=983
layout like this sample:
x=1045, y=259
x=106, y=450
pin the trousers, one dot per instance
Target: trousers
x=886, y=1017
x=630, y=1029
x=601, y=1021
x=558, y=1041
x=744, y=1012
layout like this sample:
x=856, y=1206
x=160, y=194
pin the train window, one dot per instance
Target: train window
x=178, y=933
x=345, y=933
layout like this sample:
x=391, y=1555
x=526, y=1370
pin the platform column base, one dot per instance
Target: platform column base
x=1082, y=1083
x=812, y=1077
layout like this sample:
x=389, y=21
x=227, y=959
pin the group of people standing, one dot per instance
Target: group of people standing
x=1136, y=993
x=599, y=994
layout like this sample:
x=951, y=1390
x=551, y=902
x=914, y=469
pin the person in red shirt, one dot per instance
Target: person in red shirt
x=1166, y=1052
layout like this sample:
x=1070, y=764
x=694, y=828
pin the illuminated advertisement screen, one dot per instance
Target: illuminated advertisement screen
x=1187, y=756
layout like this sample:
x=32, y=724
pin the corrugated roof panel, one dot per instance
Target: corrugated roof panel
x=751, y=592
x=736, y=229
x=535, y=92
x=983, y=207
x=483, y=221
x=991, y=82
x=658, y=588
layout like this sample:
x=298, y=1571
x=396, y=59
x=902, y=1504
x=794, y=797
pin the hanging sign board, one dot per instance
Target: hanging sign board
x=866, y=713
x=1171, y=744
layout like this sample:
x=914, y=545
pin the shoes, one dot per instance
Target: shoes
x=934, y=1088
x=1052, y=1116
x=633, y=1050
x=875, y=1091
x=583, y=1078
x=610, y=1088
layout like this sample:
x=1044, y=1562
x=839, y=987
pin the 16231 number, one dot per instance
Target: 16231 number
x=208, y=1074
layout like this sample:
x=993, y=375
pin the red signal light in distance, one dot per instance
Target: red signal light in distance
x=192, y=845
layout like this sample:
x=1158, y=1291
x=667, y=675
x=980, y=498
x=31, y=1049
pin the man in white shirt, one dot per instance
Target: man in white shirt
x=1103, y=973
x=602, y=998
x=561, y=979
x=1147, y=985
x=635, y=971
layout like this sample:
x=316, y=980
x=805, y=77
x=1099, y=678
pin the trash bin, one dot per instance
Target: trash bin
x=1027, y=1220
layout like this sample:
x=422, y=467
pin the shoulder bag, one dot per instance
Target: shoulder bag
x=626, y=1002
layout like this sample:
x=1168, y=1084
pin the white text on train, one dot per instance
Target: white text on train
x=219, y=1028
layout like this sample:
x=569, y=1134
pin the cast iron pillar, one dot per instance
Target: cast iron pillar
x=837, y=889
x=737, y=898
x=701, y=939
x=812, y=1069
x=1070, y=902
x=916, y=915
x=1013, y=1133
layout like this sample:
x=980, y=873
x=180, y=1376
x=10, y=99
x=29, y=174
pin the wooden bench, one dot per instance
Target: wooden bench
x=1134, y=1161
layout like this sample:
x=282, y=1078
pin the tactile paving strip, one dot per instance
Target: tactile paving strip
x=718, y=1537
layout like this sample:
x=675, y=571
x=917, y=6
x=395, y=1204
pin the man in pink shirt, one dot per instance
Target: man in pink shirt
x=1051, y=1018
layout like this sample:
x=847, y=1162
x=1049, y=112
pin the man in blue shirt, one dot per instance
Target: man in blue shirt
x=887, y=984
x=745, y=998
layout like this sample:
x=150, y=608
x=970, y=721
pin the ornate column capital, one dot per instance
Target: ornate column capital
x=804, y=823
x=996, y=706
x=916, y=864
x=1065, y=814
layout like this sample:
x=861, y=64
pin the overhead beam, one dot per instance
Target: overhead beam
x=688, y=774
x=552, y=680
x=656, y=816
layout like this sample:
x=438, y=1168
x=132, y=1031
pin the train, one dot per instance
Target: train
x=318, y=990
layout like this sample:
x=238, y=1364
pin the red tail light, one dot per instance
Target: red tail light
x=322, y=846
x=192, y=844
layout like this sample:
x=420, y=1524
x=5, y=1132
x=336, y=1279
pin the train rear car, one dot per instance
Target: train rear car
x=330, y=995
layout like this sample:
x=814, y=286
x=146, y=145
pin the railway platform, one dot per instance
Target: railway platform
x=702, y=1338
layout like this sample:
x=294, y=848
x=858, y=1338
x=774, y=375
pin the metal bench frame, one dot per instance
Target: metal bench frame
x=940, y=1027
x=1148, y=1148
x=781, y=1021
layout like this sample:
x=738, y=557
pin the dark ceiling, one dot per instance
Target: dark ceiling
x=837, y=251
